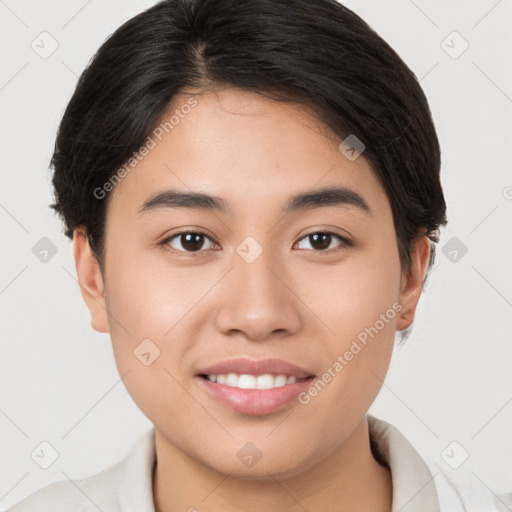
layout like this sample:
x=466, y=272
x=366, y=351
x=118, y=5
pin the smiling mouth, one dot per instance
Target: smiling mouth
x=248, y=381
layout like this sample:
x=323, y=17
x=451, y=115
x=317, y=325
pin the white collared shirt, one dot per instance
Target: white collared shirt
x=127, y=485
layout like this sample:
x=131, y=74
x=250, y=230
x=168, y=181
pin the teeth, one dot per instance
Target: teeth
x=245, y=381
x=280, y=380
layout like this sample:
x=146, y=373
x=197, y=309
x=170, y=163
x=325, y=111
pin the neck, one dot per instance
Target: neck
x=348, y=479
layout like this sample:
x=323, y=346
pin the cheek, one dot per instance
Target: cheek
x=362, y=312
x=155, y=316
x=352, y=296
x=151, y=297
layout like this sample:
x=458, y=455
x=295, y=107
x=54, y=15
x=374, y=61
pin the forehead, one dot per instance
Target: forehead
x=243, y=147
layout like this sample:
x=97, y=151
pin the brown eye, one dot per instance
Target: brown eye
x=187, y=241
x=322, y=240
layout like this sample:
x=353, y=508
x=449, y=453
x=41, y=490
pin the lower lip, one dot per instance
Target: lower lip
x=254, y=401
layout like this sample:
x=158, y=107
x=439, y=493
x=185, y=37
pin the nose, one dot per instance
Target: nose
x=257, y=301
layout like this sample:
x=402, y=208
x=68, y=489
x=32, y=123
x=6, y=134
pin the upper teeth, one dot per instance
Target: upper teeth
x=245, y=381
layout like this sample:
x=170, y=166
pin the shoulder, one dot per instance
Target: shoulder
x=465, y=491
x=97, y=492
x=444, y=489
x=125, y=485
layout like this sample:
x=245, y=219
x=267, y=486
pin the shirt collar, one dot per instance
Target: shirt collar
x=414, y=489
x=136, y=481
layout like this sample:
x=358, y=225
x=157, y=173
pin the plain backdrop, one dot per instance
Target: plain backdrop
x=451, y=381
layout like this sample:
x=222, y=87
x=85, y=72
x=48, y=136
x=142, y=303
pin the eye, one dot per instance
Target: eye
x=321, y=240
x=190, y=241
x=193, y=241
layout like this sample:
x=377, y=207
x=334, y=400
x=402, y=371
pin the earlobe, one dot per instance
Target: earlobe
x=90, y=280
x=412, y=281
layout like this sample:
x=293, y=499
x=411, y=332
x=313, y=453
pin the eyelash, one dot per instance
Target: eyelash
x=165, y=243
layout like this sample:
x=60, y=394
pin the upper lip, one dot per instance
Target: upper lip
x=256, y=367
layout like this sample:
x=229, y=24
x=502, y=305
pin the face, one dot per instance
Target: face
x=192, y=290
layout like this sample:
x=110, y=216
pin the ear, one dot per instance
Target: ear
x=90, y=280
x=412, y=281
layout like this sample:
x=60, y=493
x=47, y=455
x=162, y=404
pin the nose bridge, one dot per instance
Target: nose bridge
x=255, y=283
x=256, y=301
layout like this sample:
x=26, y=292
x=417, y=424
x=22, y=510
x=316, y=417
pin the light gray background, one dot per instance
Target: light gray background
x=451, y=381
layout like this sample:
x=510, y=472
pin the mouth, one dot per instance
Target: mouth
x=254, y=387
x=247, y=381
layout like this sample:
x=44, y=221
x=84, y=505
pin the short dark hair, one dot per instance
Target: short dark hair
x=316, y=53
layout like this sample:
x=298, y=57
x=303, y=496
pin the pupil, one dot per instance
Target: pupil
x=193, y=241
x=324, y=243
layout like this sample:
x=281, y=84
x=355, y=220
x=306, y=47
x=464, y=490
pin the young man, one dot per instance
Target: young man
x=252, y=189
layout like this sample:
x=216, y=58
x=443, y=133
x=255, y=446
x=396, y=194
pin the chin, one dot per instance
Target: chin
x=262, y=470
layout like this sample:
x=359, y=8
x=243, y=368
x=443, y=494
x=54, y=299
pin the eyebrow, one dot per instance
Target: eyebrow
x=324, y=197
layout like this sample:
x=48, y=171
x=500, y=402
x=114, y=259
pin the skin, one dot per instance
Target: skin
x=295, y=301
